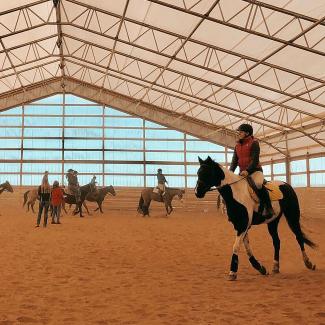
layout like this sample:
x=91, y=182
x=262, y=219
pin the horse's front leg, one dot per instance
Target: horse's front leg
x=234, y=258
x=85, y=205
x=256, y=265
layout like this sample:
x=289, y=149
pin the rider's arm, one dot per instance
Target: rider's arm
x=234, y=162
x=255, y=157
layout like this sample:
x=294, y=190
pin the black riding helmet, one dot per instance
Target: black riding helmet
x=246, y=128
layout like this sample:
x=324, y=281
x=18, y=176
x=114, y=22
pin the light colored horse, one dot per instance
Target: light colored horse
x=30, y=198
x=148, y=194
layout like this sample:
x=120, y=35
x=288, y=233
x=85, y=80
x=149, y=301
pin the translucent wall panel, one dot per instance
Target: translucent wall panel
x=317, y=163
x=10, y=143
x=163, y=134
x=173, y=181
x=298, y=166
x=42, y=167
x=279, y=168
x=167, y=169
x=11, y=121
x=83, y=155
x=83, y=110
x=317, y=179
x=83, y=121
x=125, y=156
x=10, y=132
x=165, y=145
x=123, y=122
x=10, y=167
x=43, y=143
x=84, y=168
x=299, y=180
x=13, y=179
x=82, y=133
x=124, y=168
x=193, y=156
x=124, y=144
x=84, y=144
x=124, y=133
x=42, y=155
x=10, y=154
x=43, y=110
x=42, y=132
x=165, y=156
x=117, y=180
x=42, y=121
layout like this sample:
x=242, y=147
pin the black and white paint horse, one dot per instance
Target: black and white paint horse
x=242, y=213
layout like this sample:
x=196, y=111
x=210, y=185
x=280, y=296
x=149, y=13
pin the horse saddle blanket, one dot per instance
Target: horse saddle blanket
x=156, y=190
x=273, y=190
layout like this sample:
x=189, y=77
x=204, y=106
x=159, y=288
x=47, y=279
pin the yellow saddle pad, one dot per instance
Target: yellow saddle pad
x=273, y=190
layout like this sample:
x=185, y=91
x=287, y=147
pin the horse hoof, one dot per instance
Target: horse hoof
x=310, y=265
x=263, y=270
x=275, y=271
x=232, y=277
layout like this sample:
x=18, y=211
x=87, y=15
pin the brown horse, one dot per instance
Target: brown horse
x=147, y=195
x=30, y=198
x=6, y=187
x=98, y=197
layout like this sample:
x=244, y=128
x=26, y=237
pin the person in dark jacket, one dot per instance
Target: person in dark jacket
x=44, y=193
x=247, y=157
x=161, y=182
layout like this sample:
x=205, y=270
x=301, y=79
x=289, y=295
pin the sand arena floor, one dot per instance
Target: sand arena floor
x=119, y=268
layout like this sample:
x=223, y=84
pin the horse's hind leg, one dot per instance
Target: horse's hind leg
x=273, y=231
x=254, y=262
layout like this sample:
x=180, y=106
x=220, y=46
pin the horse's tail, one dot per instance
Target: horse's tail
x=290, y=207
x=140, y=204
x=25, y=197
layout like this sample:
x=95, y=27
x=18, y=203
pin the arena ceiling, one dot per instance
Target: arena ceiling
x=199, y=66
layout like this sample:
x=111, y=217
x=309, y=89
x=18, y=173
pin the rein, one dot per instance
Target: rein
x=221, y=186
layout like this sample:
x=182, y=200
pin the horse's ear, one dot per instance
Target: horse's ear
x=200, y=160
x=209, y=159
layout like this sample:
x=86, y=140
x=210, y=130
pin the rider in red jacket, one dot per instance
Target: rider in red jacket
x=247, y=157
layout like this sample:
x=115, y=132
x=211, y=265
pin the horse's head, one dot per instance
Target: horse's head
x=111, y=190
x=7, y=187
x=209, y=174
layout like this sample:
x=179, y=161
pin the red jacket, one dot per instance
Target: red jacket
x=246, y=155
x=57, y=196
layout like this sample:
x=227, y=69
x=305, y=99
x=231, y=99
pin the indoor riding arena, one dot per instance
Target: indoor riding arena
x=162, y=162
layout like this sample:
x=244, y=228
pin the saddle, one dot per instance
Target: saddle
x=272, y=187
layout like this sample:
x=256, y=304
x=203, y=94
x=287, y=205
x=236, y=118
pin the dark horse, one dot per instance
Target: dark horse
x=71, y=199
x=98, y=197
x=6, y=187
x=242, y=213
x=147, y=194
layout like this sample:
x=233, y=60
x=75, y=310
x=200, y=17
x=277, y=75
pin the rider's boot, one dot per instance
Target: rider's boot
x=265, y=202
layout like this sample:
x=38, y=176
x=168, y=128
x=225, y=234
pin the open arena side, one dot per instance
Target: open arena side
x=118, y=89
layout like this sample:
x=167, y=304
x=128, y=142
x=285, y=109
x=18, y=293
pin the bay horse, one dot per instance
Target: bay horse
x=6, y=187
x=98, y=197
x=242, y=213
x=71, y=199
x=147, y=195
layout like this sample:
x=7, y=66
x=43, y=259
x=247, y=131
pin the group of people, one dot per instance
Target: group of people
x=54, y=196
x=246, y=156
x=49, y=195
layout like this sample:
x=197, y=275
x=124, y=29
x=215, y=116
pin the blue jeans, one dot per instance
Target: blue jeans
x=43, y=205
